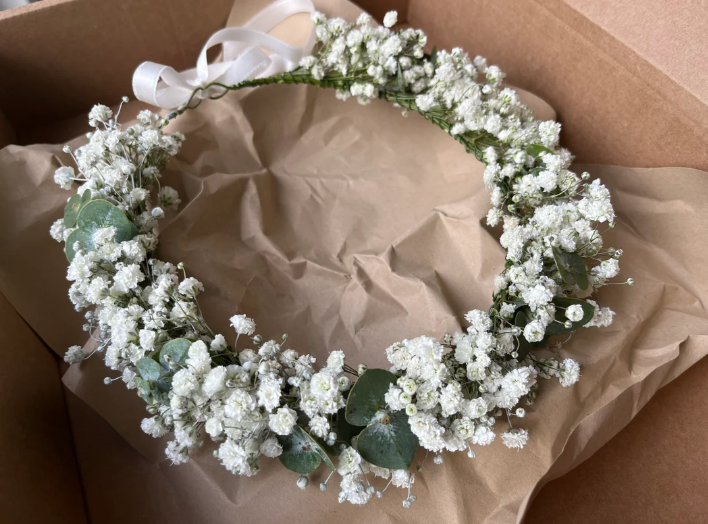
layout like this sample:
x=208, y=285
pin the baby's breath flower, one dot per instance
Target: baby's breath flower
x=169, y=198
x=243, y=325
x=74, y=355
x=64, y=177
x=390, y=19
x=516, y=438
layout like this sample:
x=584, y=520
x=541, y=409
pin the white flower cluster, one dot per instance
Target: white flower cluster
x=246, y=405
x=363, y=49
x=145, y=316
x=242, y=399
x=119, y=165
x=452, y=393
x=355, y=487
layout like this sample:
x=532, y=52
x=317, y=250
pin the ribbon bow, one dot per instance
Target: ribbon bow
x=244, y=57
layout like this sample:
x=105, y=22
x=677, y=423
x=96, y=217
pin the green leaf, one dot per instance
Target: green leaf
x=73, y=206
x=149, y=369
x=177, y=350
x=434, y=55
x=77, y=236
x=301, y=453
x=536, y=150
x=562, y=303
x=389, y=442
x=571, y=267
x=96, y=215
x=85, y=197
x=143, y=387
x=164, y=384
x=345, y=430
x=366, y=397
x=523, y=346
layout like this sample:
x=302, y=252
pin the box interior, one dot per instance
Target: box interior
x=624, y=80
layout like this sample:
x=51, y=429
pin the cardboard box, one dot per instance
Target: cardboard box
x=629, y=86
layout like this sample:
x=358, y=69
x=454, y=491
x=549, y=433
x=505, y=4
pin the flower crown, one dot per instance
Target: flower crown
x=255, y=396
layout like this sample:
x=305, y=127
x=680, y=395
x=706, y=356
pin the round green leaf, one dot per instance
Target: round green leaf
x=366, y=397
x=96, y=215
x=78, y=235
x=301, y=453
x=571, y=267
x=71, y=210
x=143, y=387
x=346, y=431
x=389, y=443
x=177, y=350
x=149, y=369
x=164, y=384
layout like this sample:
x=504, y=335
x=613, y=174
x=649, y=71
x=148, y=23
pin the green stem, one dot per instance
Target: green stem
x=474, y=142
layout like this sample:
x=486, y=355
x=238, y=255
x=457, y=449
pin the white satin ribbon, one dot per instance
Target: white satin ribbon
x=244, y=57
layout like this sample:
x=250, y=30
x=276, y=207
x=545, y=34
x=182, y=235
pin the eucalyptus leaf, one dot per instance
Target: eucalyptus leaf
x=164, y=384
x=301, y=453
x=345, y=430
x=562, y=303
x=73, y=206
x=366, y=397
x=96, y=215
x=86, y=197
x=149, y=369
x=78, y=235
x=571, y=267
x=176, y=349
x=143, y=387
x=389, y=442
x=536, y=150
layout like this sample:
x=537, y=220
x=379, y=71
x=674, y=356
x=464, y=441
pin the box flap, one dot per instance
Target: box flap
x=624, y=93
x=56, y=55
x=671, y=36
x=40, y=479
